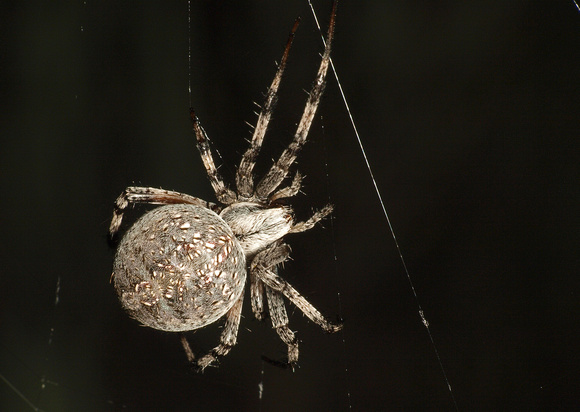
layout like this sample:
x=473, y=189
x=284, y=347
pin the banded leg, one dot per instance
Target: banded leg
x=150, y=195
x=268, y=258
x=279, y=318
x=244, y=179
x=228, y=338
x=223, y=194
x=257, y=296
x=271, y=280
x=262, y=266
x=279, y=170
x=288, y=191
x=309, y=224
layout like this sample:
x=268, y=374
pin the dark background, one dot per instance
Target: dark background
x=469, y=115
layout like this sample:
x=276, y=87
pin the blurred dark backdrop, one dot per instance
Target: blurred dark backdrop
x=469, y=115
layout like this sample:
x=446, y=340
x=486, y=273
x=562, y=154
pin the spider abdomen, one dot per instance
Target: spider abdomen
x=179, y=268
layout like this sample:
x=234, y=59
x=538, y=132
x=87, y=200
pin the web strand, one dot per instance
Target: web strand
x=20, y=394
x=392, y=231
x=189, y=50
x=332, y=230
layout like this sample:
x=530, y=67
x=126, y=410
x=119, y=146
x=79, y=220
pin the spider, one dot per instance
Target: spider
x=183, y=265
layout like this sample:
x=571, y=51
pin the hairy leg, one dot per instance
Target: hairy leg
x=244, y=178
x=262, y=266
x=223, y=194
x=228, y=338
x=150, y=195
x=257, y=296
x=279, y=318
x=309, y=224
x=279, y=170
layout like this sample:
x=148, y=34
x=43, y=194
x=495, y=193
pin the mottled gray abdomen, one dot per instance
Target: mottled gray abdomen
x=179, y=268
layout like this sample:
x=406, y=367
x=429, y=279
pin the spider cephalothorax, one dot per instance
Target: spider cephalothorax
x=183, y=265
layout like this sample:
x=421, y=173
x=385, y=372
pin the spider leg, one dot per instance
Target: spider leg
x=309, y=224
x=270, y=257
x=279, y=170
x=279, y=318
x=257, y=296
x=223, y=194
x=151, y=195
x=271, y=280
x=288, y=191
x=261, y=267
x=228, y=338
x=244, y=179
x=187, y=348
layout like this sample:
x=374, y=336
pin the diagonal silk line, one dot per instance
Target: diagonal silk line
x=379, y=196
